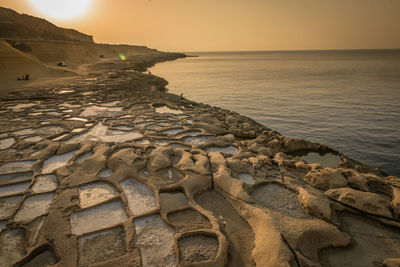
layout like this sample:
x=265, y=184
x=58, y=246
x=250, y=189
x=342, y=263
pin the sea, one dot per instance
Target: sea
x=346, y=99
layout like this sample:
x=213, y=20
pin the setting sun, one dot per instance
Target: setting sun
x=61, y=9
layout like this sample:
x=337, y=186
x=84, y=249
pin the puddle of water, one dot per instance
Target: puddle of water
x=198, y=248
x=45, y=183
x=77, y=119
x=88, y=93
x=83, y=157
x=247, y=178
x=68, y=111
x=16, y=166
x=327, y=160
x=197, y=140
x=98, y=217
x=100, y=132
x=227, y=149
x=6, y=142
x=278, y=198
x=144, y=124
x=101, y=246
x=105, y=173
x=8, y=206
x=96, y=111
x=167, y=110
x=56, y=161
x=173, y=131
x=14, y=189
x=33, y=207
x=156, y=241
x=96, y=193
x=12, y=246
x=141, y=199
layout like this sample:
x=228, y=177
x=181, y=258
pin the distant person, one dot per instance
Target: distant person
x=181, y=97
x=26, y=77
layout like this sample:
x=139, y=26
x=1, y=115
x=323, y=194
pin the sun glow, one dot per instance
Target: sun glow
x=61, y=9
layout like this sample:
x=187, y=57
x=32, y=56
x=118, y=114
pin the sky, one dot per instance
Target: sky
x=236, y=25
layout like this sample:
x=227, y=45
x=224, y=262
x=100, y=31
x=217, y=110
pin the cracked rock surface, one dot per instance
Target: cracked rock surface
x=107, y=170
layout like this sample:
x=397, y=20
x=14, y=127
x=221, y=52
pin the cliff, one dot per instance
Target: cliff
x=21, y=26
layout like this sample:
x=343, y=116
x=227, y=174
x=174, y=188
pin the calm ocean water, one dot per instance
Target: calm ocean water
x=349, y=100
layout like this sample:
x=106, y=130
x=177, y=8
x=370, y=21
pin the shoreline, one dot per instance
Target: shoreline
x=202, y=178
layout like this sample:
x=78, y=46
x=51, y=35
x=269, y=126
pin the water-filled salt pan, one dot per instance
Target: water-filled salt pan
x=227, y=149
x=95, y=193
x=141, y=199
x=45, y=183
x=13, y=189
x=16, y=166
x=8, y=206
x=156, y=241
x=56, y=161
x=105, y=173
x=197, y=140
x=166, y=109
x=247, y=178
x=34, y=206
x=173, y=131
x=100, y=132
x=6, y=142
x=18, y=107
x=12, y=246
x=96, y=111
x=98, y=217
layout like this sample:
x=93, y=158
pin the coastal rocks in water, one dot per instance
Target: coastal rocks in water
x=364, y=201
x=327, y=178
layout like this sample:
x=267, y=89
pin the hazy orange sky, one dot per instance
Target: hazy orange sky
x=218, y=25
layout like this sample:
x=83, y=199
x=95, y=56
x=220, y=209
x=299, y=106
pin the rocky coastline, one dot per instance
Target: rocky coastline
x=109, y=169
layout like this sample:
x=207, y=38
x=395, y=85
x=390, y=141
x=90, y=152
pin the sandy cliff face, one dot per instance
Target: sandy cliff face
x=21, y=26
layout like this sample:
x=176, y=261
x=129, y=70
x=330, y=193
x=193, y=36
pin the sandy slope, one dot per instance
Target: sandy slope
x=14, y=63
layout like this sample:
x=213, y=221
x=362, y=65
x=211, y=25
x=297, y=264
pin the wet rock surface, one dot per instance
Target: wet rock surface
x=107, y=170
